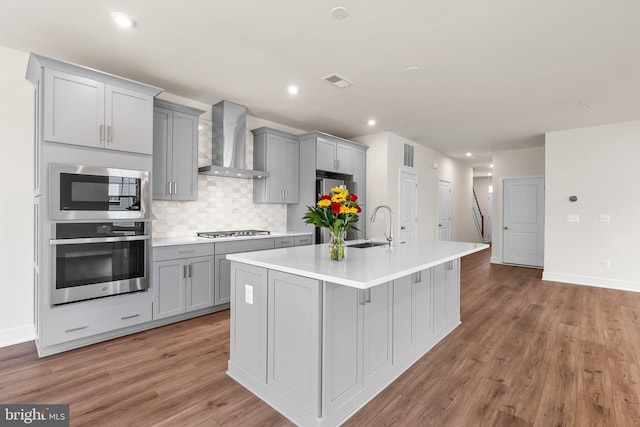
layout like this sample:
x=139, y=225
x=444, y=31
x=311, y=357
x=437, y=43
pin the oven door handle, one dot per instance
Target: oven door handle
x=86, y=240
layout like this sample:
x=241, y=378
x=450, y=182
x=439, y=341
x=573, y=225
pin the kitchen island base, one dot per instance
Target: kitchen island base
x=317, y=351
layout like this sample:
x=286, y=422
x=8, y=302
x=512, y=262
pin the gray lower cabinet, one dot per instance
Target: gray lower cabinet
x=446, y=289
x=357, y=346
x=183, y=278
x=222, y=281
x=278, y=153
x=293, y=339
x=412, y=314
x=175, y=151
x=318, y=350
x=248, y=347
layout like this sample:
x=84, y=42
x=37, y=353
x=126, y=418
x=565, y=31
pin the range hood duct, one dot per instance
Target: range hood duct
x=229, y=145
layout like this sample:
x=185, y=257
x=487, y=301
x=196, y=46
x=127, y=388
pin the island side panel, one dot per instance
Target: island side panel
x=294, y=339
x=248, y=346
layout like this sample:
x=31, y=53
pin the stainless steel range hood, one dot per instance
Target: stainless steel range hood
x=229, y=148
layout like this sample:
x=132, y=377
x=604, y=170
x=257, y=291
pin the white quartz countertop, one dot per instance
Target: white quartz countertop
x=361, y=268
x=189, y=240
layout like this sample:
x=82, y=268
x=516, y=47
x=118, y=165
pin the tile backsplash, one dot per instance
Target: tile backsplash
x=223, y=203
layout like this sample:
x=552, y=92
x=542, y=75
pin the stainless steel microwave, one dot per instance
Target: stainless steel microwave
x=95, y=193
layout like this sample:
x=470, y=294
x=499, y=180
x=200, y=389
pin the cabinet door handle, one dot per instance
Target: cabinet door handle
x=189, y=270
x=184, y=271
x=286, y=194
x=133, y=316
x=361, y=292
x=169, y=187
x=108, y=133
x=367, y=296
x=187, y=252
x=101, y=132
x=76, y=329
x=175, y=187
x=449, y=265
x=336, y=164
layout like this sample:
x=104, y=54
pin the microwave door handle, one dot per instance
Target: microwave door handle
x=86, y=240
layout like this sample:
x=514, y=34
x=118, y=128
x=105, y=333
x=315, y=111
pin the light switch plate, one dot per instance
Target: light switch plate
x=248, y=294
x=605, y=218
x=573, y=218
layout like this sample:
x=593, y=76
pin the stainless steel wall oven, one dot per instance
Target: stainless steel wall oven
x=98, y=259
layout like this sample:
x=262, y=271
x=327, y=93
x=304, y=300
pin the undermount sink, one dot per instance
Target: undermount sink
x=367, y=245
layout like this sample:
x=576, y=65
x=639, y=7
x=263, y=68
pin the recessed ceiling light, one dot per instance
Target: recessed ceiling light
x=123, y=20
x=293, y=89
x=339, y=12
x=469, y=154
x=371, y=122
x=412, y=70
x=491, y=165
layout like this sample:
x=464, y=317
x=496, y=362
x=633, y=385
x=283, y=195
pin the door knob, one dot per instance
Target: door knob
x=402, y=228
x=506, y=228
x=439, y=225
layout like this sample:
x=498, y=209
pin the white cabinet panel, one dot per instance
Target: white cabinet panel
x=129, y=120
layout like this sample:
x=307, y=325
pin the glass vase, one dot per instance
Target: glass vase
x=337, y=246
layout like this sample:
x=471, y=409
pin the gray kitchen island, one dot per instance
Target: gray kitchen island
x=317, y=339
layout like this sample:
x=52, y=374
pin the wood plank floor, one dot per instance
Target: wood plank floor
x=527, y=353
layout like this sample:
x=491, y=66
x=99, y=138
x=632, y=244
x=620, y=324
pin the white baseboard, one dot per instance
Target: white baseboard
x=496, y=260
x=599, y=282
x=16, y=335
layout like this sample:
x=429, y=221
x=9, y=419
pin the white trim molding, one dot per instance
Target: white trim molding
x=622, y=285
x=16, y=335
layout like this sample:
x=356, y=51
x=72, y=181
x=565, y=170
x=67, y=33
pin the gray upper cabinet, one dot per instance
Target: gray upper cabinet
x=334, y=156
x=278, y=153
x=83, y=106
x=175, y=151
x=87, y=112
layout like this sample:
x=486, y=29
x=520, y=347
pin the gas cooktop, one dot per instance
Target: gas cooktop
x=233, y=233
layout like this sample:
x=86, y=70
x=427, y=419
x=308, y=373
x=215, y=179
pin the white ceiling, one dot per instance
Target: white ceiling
x=494, y=74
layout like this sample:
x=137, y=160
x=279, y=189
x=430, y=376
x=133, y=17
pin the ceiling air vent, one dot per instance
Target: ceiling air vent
x=408, y=155
x=338, y=81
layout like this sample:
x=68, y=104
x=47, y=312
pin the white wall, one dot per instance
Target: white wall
x=513, y=163
x=384, y=161
x=16, y=187
x=599, y=165
x=481, y=186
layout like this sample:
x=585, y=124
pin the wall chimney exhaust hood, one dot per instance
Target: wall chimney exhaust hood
x=229, y=147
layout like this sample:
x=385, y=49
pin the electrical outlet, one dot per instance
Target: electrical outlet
x=606, y=264
x=605, y=218
x=248, y=294
x=573, y=218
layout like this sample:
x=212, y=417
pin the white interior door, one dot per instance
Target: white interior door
x=408, y=215
x=444, y=210
x=523, y=221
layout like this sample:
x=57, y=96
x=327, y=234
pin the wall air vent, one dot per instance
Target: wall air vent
x=408, y=155
x=338, y=80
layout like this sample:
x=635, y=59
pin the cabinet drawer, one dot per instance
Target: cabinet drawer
x=96, y=323
x=302, y=240
x=163, y=253
x=244, y=246
x=283, y=242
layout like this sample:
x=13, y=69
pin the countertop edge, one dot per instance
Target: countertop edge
x=351, y=283
x=195, y=240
